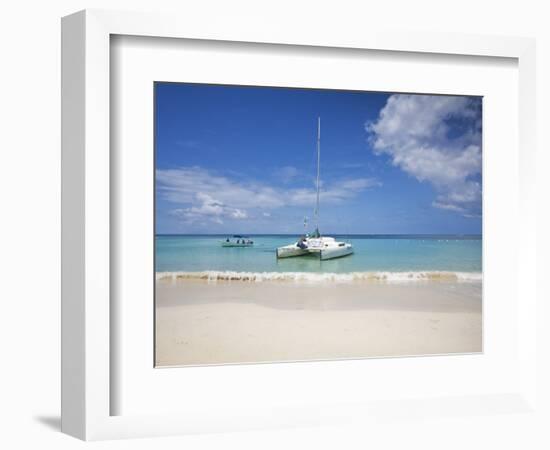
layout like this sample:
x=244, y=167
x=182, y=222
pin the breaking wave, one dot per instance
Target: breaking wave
x=381, y=277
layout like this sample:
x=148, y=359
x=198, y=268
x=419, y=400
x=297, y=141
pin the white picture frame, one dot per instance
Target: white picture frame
x=87, y=354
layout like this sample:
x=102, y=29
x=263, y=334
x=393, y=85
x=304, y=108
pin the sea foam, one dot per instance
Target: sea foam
x=315, y=277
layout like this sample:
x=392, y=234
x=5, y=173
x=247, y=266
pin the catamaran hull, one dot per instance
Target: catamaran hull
x=332, y=253
x=323, y=254
x=290, y=251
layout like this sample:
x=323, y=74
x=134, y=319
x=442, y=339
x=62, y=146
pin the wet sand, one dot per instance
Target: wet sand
x=201, y=322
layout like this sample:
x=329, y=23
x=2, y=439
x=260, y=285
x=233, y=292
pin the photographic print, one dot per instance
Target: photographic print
x=297, y=224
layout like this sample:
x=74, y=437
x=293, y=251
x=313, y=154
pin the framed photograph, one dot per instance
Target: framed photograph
x=245, y=271
x=308, y=212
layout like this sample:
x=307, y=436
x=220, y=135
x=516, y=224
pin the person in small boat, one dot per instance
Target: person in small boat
x=302, y=242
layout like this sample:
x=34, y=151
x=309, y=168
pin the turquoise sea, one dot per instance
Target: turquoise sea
x=372, y=253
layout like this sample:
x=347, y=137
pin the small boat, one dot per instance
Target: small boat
x=237, y=241
x=314, y=244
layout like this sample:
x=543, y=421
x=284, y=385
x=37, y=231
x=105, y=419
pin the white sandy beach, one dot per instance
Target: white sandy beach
x=201, y=322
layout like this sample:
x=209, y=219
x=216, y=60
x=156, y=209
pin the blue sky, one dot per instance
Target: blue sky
x=235, y=159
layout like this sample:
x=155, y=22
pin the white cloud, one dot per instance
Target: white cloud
x=208, y=196
x=335, y=193
x=414, y=131
x=208, y=209
x=287, y=173
x=448, y=206
x=358, y=184
x=239, y=214
x=193, y=185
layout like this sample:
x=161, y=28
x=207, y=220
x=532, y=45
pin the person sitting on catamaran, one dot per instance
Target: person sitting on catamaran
x=302, y=243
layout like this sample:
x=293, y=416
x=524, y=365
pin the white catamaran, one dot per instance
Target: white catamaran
x=323, y=246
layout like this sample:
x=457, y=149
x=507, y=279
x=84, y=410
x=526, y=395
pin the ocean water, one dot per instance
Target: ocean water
x=388, y=256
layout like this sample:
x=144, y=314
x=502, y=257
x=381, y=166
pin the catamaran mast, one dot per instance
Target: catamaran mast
x=318, y=171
